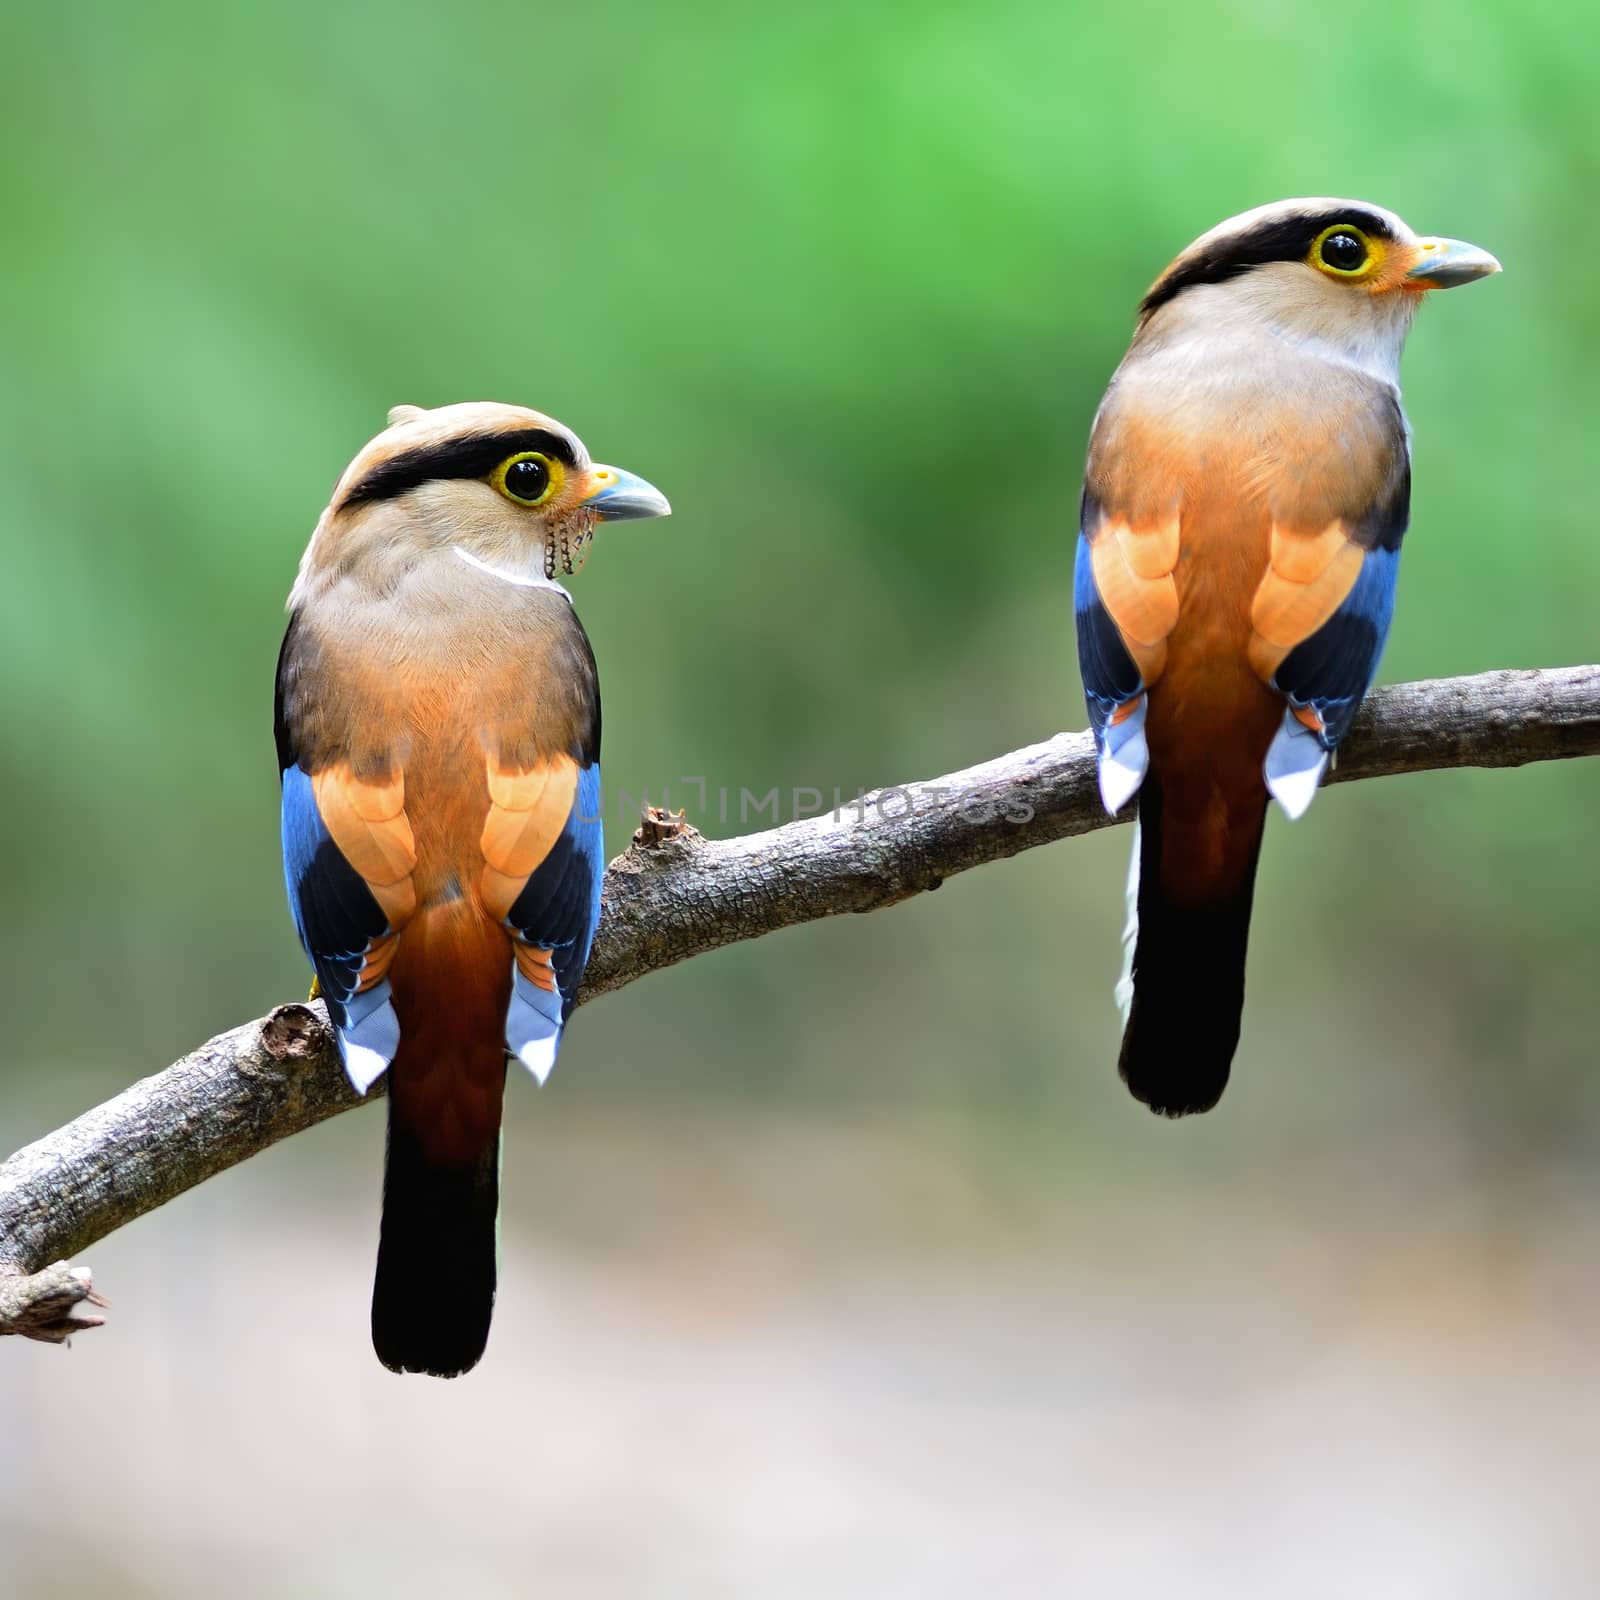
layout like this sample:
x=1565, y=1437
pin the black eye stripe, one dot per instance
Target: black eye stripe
x=1282, y=238
x=473, y=455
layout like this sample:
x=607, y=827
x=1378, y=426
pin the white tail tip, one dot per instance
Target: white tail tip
x=363, y=1067
x=1294, y=767
x=1124, y=759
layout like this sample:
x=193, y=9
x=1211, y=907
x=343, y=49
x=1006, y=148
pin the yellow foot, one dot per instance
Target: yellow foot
x=316, y=989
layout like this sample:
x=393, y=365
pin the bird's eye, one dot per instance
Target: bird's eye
x=1343, y=251
x=530, y=478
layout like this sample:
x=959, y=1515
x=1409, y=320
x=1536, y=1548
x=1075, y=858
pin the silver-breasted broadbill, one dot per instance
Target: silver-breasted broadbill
x=438, y=729
x=1247, y=488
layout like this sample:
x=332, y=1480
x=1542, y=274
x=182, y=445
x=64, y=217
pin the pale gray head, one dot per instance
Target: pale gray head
x=505, y=488
x=1345, y=276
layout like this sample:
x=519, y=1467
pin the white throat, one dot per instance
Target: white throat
x=523, y=580
x=1285, y=302
x=1374, y=350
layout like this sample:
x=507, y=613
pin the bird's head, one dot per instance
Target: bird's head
x=1343, y=273
x=506, y=488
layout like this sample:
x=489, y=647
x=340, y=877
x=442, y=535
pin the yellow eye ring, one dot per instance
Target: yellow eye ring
x=1344, y=251
x=529, y=478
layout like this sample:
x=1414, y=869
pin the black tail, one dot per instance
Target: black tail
x=434, y=1290
x=1188, y=964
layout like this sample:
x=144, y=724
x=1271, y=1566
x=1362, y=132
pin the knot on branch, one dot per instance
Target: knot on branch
x=659, y=826
x=44, y=1305
x=294, y=1033
x=663, y=840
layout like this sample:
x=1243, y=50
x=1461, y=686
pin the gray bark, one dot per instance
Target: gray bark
x=671, y=896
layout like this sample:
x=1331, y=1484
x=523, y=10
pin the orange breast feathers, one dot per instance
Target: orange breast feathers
x=484, y=835
x=1209, y=604
x=446, y=888
x=528, y=808
x=1308, y=577
x=366, y=819
x=1133, y=570
x=1242, y=507
x=1226, y=557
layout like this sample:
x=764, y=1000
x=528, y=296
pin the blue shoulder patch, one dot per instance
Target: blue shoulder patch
x=337, y=919
x=334, y=911
x=1332, y=670
x=559, y=908
x=1110, y=678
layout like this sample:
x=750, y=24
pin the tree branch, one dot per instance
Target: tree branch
x=671, y=896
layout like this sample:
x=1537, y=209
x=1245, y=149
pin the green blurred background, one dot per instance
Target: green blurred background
x=838, y=1263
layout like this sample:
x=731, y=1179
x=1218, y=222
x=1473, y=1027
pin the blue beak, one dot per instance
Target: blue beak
x=1447, y=263
x=618, y=496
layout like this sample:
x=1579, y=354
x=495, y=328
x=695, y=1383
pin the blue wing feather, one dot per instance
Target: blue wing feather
x=1332, y=670
x=558, y=910
x=337, y=919
x=1111, y=681
x=1110, y=678
x=1328, y=674
x=334, y=911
